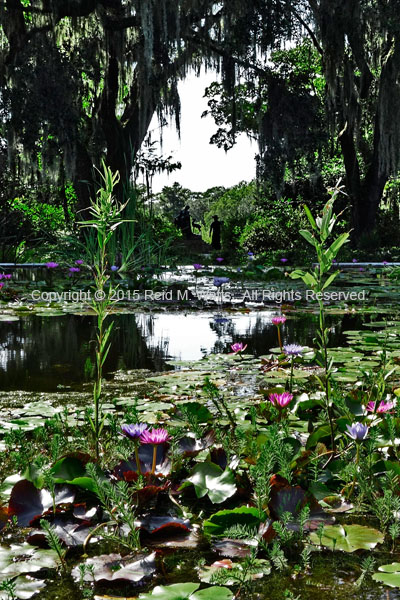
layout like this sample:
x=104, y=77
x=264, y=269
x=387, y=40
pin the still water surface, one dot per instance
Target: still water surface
x=42, y=353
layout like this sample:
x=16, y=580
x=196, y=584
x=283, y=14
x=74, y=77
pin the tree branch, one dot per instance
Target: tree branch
x=309, y=30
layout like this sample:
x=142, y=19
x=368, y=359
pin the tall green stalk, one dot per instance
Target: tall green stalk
x=318, y=281
x=105, y=212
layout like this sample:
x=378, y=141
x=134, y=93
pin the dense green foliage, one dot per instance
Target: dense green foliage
x=316, y=84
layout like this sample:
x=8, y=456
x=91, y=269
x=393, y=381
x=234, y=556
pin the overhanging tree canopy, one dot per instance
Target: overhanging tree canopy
x=82, y=79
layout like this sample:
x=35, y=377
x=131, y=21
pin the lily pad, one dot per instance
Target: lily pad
x=28, y=503
x=114, y=568
x=187, y=591
x=348, y=538
x=222, y=520
x=260, y=568
x=209, y=479
x=388, y=574
x=25, y=558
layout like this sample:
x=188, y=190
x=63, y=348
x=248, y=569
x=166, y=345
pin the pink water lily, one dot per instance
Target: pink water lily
x=383, y=407
x=155, y=436
x=280, y=400
x=279, y=320
x=238, y=347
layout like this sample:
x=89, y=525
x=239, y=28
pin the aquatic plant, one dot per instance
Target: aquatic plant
x=357, y=431
x=280, y=400
x=219, y=281
x=238, y=348
x=105, y=211
x=319, y=280
x=154, y=437
x=133, y=432
x=278, y=321
x=383, y=407
x=292, y=350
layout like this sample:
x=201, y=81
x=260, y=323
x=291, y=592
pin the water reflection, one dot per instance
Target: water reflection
x=41, y=353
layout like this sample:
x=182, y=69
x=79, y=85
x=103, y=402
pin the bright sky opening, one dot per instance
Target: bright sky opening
x=203, y=165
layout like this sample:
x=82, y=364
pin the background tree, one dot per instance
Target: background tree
x=277, y=99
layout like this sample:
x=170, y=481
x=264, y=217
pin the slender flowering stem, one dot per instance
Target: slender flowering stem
x=153, y=467
x=355, y=471
x=279, y=337
x=291, y=375
x=137, y=457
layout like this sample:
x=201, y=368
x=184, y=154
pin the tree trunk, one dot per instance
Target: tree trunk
x=365, y=196
x=366, y=203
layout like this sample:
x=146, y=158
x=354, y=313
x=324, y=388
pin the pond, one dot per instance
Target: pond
x=40, y=353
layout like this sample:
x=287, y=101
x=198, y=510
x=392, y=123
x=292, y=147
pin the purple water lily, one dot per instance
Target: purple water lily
x=354, y=260
x=197, y=266
x=51, y=265
x=219, y=259
x=74, y=270
x=284, y=260
x=134, y=431
x=218, y=281
x=79, y=261
x=293, y=350
x=357, y=431
x=218, y=319
x=114, y=268
x=280, y=400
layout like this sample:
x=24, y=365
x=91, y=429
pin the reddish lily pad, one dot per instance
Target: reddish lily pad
x=156, y=524
x=292, y=499
x=28, y=503
x=163, y=464
x=260, y=568
x=233, y=548
x=70, y=533
x=190, y=446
